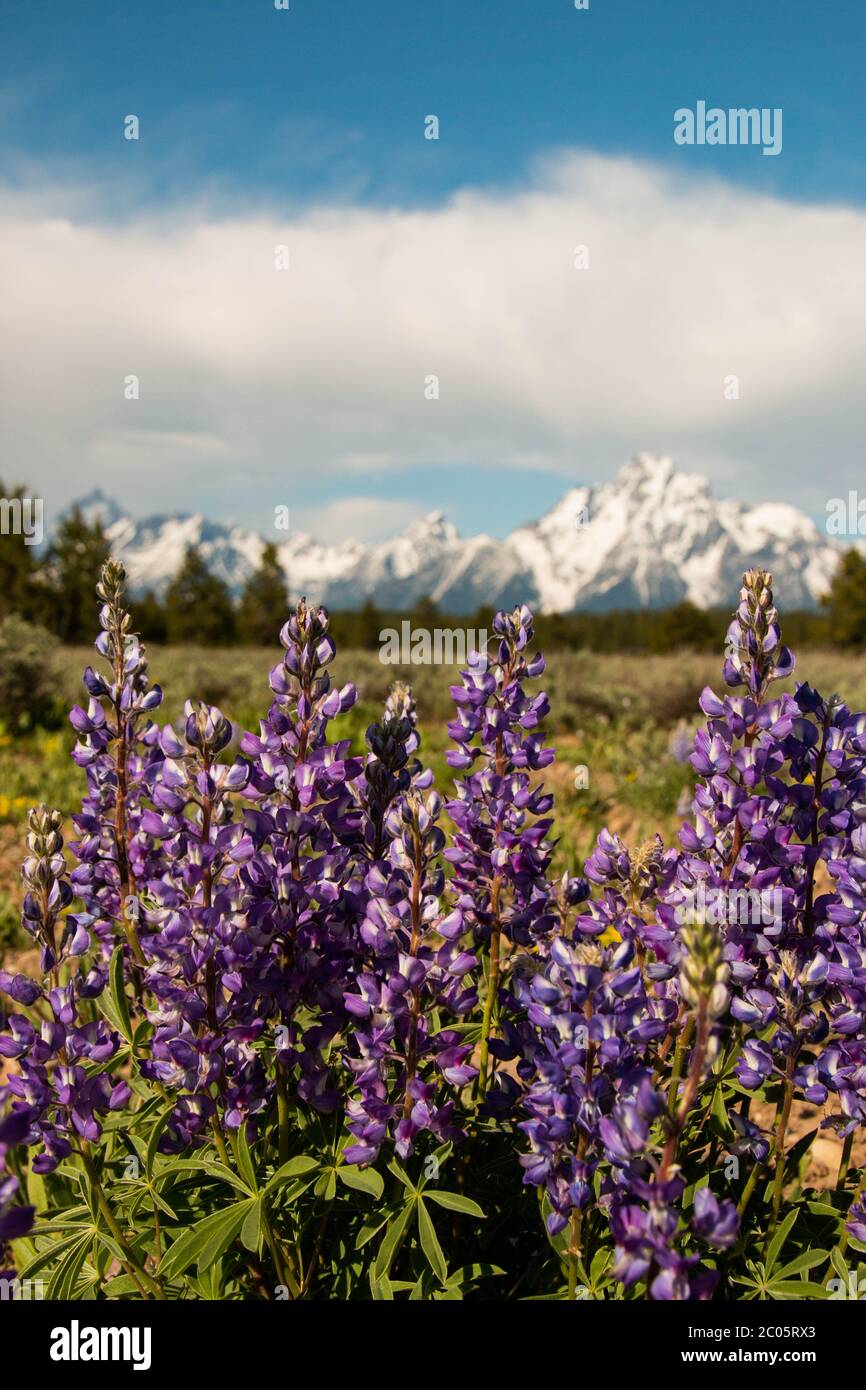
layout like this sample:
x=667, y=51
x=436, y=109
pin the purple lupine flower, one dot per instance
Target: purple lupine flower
x=16, y=1219
x=500, y=853
x=715, y=1221
x=197, y=942
x=302, y=891
x=405, y=1075
x=783, y=778
x=118, y=749
x=48, y=891
x=855, y=1223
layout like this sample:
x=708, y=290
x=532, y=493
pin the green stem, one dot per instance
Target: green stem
x=492, y=993
x=142, y=1280
x=842, y=1245
x=845, y=1160
x=317, y=1249
x=574, y=1253
x=283, y=1272
x=683, y=1042
x=781, y=1131
x=219, y=1140
x=283, y=1113
x=749, y=1188
x=690, y=1091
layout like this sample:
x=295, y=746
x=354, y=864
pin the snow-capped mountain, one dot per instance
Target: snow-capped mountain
x=649, y=538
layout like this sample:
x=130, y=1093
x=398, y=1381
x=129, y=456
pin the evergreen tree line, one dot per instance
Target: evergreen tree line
x=55, y=589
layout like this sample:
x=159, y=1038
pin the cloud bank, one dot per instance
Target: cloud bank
x=261, y=386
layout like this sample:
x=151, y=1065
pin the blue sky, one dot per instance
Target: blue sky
x=252, y=115
x=327, y=96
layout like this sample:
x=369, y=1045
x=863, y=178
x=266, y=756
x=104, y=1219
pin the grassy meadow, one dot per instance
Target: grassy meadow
x=624, y=718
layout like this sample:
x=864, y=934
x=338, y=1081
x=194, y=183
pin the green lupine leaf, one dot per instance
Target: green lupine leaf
x=205, y=1241
x=37, y=1192
x=291, y=1192
x=111, y=1246
x=465, y=1277
x=380, y=1287
x=118, y=992
x=44, y=1258
x=63, y=1280
x=794, y=1288
x=392, y=1238
x=106, y=1006
x=807, y=1260
x=251, y=1231
x=153, y=1140
x=210, y=1166
x=294, y=1168
x=837, y=1260
x=121, y=1287
x=719, y=1122
x=600, y=1261
x=798, y=1151
x=453, y=1201
x=362, y=1179
x=220, y=1238
x=370, y=1228
x=158, y=1201
x=823, y=1209
x=430, y=1244
x=776, y=1245
x=400, y=1172
x=246, y=1167
x=326, y=1187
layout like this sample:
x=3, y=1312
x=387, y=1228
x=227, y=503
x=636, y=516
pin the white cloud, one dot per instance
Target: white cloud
x=258, y=385
x=356, y=518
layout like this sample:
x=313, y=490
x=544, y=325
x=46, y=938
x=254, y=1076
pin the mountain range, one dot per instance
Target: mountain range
x=650, y=537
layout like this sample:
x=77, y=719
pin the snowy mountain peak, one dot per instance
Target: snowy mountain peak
x=650, y=537
x=646, y=471
x=434, y=528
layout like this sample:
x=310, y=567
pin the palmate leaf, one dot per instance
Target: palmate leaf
x=47, y=1257
x=211, y=1167
x=204, y=1242
x=65, y=1277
